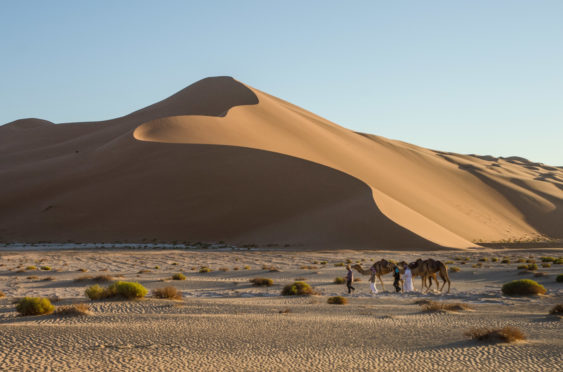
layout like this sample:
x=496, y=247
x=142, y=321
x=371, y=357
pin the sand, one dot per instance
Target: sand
x=223, y=161
x=223, y=323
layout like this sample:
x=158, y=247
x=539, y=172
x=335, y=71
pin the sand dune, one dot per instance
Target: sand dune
x=223, y=161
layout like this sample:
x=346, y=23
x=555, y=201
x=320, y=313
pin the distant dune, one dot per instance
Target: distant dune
x=220, y=160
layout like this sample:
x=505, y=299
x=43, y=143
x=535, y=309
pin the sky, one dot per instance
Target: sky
x=474, y=77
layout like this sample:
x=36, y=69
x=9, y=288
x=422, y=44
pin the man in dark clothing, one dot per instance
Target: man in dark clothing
x=349, y=279
x=397, y=276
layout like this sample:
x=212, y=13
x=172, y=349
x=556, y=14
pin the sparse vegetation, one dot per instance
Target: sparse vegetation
x=547, y=259
x=522, y=267
x=505, y=261
x=297, y=289
x=179, y=276
x=434, y=306
x=455, y=269
x=449, y=262
x=477, y=265
x=204, y=269
x=521, y=260
x=224, y=269
x=323, y=262
x=308, y=267
x=506, y=334
x=557, y=310
x=558, y=261
x=32, y=277
x=127, y=290
x=144, y=271
x=246, y=267
x=262, y=282
x=98, y=279
x=339, y=280
x=34, y=306
x=532, y=267
x=483, y=259
x=31, y=267
x=45, y=268
x=559, y=278
x=73, y=310
x=82, y=270
x=523, y=287
x=167, y=292
x=339, y=264
x=337, y=300
x=546, y=264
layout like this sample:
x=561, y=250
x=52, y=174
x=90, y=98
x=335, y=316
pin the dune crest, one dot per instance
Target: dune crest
x=220, y=160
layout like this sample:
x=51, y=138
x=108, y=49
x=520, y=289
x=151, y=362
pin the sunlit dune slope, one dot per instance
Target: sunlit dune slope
x=223, y=161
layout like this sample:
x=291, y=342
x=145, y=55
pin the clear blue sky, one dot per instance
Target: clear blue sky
x=472, y=76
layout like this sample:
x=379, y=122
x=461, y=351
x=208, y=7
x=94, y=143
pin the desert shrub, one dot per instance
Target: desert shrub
x=236, y=268
x=246, y=267
x=144, y=271
x=2, y=294
x=557, y=310
x=98, y=279
x=530, y=260
x=167, y=292
x=47, y=279
x=273, y=269
x=174, y=264
x=157, y=267
x=128, y=290
x=339, y=280
x=297, y=289
x=505, y=261
x=32, y=277
x=433, y=306
x=308, y=267
x=532, y=267
x=204, y=269
x=82, y=270
x=454, y=269
x=337, y=300
x=179, y=276
x=339, y=264
x=546, y=264
x=315, y=262
x=31, y=267
x=477, y=265
x=494, y=259
x=323, y=262
x=558, y=261
x=523, y=287
x=357, y=280
x=559, y=278
x=522, y=267
x=73, y=310
x=537, y=275
x=348, y=261
x=34, y=306
x=96, y=292
x=547, y=259
x=449, y=262
x=224, y=269
x=506, y=334
x=262, y=282
x=483, y=259
x=521, y=260
x=45, y=268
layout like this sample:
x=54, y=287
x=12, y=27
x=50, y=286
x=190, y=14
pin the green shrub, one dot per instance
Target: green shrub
x=483, y=259
x=204, y=269
x=178, y=276
x=523, y=287
x=297, y=289
x=128, y=290
x=339, y=264
x=558, y=261
x=547, y=259
x=559, y=278
x=45, y=268
x=31, y=267
x=34, y=306
x=95, y=292
x=337, y=300
x=546, y=264
x=262, y=282
x=532, y=267
x=339, y=280
x=494, y=259
x=246, y=267
x=521, y=260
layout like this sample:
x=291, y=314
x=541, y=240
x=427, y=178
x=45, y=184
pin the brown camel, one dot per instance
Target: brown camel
x=417, y=269
x=427, y=269
x=382, y=267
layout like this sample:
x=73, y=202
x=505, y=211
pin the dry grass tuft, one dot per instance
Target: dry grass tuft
x=82, y=270
x=32, y=277
x=262, y=282
x=73, y=310
x=455, y=269
x=98, y=279
x=167, y=292
x=339, y=280
x=144, y=271
x=308, y=267
x=557, y=310
x=433, y=306
x=506, y=334
x=204, y=269
x=337, y=300
x=179, y=276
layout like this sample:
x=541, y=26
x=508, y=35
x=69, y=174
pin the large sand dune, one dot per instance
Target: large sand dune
x=223, y=161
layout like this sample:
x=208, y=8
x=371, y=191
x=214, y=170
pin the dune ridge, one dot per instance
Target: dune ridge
x=221, y=160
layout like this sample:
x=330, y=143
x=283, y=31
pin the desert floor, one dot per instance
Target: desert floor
x=224, y=323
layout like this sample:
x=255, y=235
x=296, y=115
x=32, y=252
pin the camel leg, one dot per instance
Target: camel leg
x=382, y=287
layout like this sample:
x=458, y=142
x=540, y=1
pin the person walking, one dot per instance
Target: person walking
x=372, y=280
x=349, y=279
x=407, y=279
x=397, y=276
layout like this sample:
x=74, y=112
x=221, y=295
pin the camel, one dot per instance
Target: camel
x=382, y=267
x=428, y=269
